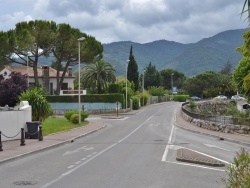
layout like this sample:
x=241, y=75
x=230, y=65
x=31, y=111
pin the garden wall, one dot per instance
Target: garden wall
x=11, y=121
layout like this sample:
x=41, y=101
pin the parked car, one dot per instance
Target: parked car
x=222, y=97
x=195, y=98
x=237, y=97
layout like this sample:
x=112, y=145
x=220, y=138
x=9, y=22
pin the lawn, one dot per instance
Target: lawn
x=58, y=124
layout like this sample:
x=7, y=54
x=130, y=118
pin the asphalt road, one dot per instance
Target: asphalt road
x=137, y=151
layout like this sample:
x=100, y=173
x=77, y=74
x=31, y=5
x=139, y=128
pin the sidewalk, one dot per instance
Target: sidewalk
x=12, y=149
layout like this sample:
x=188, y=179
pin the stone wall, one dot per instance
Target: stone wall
x=239, y=129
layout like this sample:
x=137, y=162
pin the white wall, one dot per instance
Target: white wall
x=12, y=121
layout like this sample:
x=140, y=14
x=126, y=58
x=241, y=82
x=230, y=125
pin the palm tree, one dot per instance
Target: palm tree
x=98, y=75
x=246, y=8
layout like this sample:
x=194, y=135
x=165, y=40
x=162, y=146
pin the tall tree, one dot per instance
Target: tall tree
x=66, y=50
x=98, y=75
x=31, y=39
x=151, y=76
x=178, y=78
x=133, y=74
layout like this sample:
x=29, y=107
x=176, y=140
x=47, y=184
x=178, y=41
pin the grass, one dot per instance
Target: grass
x=57, y=124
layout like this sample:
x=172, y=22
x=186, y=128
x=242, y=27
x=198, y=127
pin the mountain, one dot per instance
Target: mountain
x=208, y=54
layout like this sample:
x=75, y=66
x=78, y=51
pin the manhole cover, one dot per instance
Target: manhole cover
x=25, y=183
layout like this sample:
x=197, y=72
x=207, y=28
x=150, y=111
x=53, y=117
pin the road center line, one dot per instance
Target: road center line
x=93, y=157
x=164, y=157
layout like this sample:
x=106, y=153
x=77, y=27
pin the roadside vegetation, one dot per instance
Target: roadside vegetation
x=58, y=124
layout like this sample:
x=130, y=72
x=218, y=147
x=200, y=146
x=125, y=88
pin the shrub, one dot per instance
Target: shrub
x=41, y=109
x=68, y=115
x=11, y=89
x=74, y=118
x=156, y=91
x=239, y=171
x=136, y=101
x=192, y=105
x=181, y=98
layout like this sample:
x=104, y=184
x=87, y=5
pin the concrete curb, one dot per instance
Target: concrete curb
x=215, y=136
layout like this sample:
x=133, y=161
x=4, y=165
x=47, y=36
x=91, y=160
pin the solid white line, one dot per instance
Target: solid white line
x=193, y=165
x=213, y=146
x=164, y=157
x=90, y=159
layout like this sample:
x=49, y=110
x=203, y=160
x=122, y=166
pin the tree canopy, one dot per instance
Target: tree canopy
x=133, y=74
x=38, y=38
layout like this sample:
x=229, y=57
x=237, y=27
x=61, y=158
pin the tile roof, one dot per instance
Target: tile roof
x=23, y=70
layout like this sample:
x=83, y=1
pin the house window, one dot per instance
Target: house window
x=64, y=86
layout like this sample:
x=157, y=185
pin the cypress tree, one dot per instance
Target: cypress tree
x=133, y=74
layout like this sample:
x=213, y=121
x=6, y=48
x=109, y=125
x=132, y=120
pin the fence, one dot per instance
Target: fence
x=226, y=120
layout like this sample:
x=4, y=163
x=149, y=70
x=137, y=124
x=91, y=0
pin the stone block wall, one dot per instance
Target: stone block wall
x=238, y=129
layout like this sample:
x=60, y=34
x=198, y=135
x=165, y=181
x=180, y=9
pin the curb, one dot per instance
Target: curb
x=49, y=147
x=212, y=135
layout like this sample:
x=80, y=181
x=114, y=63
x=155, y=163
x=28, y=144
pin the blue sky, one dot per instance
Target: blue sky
x=141, y=21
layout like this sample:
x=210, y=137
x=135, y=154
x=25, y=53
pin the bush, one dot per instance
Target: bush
x=181, y=98
x=239, y=171
x=68, y=115
x=74, y=118
x=11, y=89
x=41, y=109
x=156, y=91
x=136, y=101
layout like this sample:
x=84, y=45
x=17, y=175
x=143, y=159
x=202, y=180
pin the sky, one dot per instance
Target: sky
x=142, y=21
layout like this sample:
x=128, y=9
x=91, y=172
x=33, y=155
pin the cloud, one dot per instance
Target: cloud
x=136, y=20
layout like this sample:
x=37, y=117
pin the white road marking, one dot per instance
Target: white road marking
x=83, y=159
x=85, y=148
x=213, y=146
x=193, y=165
x=94, y=156
x=154, y=125
x=164, y=157
x=71, y=166
x=78, y=162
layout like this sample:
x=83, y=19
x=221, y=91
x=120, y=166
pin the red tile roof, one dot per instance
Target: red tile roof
x=23, y=70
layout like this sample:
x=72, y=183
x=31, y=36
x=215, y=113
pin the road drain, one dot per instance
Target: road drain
x=25, y=183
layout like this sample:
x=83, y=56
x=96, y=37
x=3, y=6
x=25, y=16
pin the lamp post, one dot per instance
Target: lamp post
x=172, y=84
x=27, y=69
x=79, y=80
x=126, y=84
x=143, y=86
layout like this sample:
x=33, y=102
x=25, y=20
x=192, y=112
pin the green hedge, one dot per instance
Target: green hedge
x=135, y=102
x=181, y=98
x=87, y=98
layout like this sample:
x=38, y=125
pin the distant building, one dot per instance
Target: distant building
x=46, y=77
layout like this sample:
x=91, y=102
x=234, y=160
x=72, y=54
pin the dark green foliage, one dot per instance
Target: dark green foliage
x=181, y=98
x=74, y=118
x=152, y=77
x=11, y=89
x=136, y=102
x=178, y=78
x=114, y=88
x=133, y=74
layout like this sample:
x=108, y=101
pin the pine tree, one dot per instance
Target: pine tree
x=133, y=74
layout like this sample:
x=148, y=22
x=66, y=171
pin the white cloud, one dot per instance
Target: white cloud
x=135, y=20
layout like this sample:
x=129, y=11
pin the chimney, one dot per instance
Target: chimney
x=70, y=71
x=45, y=77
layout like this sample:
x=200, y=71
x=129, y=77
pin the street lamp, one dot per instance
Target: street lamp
x=79, y=80
x=126, y=84
x=143, y=87
x=27, y=69
x=172, y=83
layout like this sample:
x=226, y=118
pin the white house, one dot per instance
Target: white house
x=46, y=77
